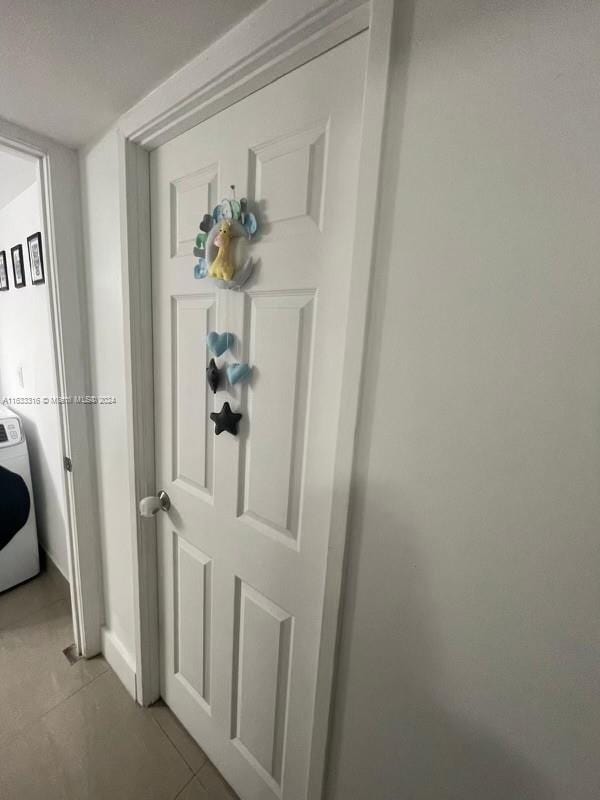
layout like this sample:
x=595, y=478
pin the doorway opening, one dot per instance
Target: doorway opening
x=43, y=377
x=28, y=372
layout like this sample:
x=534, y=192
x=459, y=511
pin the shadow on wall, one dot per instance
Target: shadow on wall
x=412, y=746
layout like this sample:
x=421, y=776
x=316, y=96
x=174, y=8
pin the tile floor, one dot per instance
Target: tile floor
x=72, y=732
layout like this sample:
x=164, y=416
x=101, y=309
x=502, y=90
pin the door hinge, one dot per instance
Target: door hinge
x=68, y=464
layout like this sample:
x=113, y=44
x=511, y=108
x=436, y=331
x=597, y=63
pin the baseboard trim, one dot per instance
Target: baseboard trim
x=54, y=562
x=119, y=658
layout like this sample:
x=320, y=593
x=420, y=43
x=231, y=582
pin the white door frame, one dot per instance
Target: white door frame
x=58, y=172
x=279, y=36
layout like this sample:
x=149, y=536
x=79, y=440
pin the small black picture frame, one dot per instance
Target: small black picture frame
x=36, y=258
x=16, y=253
x=4, y=287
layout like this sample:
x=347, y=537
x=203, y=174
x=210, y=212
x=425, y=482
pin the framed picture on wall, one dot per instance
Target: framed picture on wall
x=3, y=272
x=18, y=266
x=36, y=260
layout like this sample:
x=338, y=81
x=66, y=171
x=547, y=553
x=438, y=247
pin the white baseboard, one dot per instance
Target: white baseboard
x=120, y=659
x=55, y=564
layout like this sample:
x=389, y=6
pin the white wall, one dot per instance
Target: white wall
x=471, y=648
x=100, y=202
x=26, y=343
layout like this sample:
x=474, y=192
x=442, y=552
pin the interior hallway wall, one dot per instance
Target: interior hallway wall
x=26, y=348
x=470, y=646
x=99, y=167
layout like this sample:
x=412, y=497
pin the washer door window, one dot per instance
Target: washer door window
x=15, y=505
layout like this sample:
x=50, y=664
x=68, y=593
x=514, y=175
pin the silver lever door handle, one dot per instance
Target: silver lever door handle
x=149, y=506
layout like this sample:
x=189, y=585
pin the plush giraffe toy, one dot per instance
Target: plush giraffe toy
x=222, y=268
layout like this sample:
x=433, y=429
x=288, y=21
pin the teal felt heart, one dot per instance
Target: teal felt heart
x=218, y=343
x=238, y=373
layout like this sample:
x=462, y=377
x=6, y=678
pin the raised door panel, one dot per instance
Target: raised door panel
x=192, y=571
x=262, y=649
x=193, y=464
x=280, y=335
x=286, y=176
x=188, y=194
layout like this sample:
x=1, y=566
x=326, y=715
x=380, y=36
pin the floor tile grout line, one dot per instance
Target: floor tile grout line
x=177, y=750
x=37, y=720
x=182, y=790
x=199, y=770
x=228, y=789
x=195, y=773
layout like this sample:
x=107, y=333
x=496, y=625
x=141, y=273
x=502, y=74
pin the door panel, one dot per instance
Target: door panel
x=187, y=195
x=262, y=649
x=286, y=177
x=273, y=450
x=243, y=550
x=192, y=590
x=193, y=318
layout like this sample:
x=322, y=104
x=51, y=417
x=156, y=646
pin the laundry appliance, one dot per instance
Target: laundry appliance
x=19, y=554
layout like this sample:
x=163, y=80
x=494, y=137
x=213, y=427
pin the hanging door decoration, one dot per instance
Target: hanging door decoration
x=215, y=251
x=238, y=373
x=215, y=244
x=213, y=375
x=218, y=343
x=226, y=420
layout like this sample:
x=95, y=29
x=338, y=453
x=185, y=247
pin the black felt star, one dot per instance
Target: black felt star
x=226, y=420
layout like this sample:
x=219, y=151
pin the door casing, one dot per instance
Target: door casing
x=276, y=38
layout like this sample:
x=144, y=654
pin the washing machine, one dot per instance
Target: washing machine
x=19, y=554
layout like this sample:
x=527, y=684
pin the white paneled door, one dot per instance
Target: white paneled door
x=243, y=550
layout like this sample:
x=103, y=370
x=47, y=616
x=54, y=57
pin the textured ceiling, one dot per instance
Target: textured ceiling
x=16, y=174
x=70, y=68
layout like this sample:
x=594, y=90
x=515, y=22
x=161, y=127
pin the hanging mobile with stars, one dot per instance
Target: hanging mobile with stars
x=226, y=420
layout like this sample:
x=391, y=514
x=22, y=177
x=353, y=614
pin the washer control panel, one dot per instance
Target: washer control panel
x=10, y=432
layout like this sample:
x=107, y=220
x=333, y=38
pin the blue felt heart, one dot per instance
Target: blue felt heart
x=219, y=342
x=238, y=373
x=250, y=224
x=201, y=269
